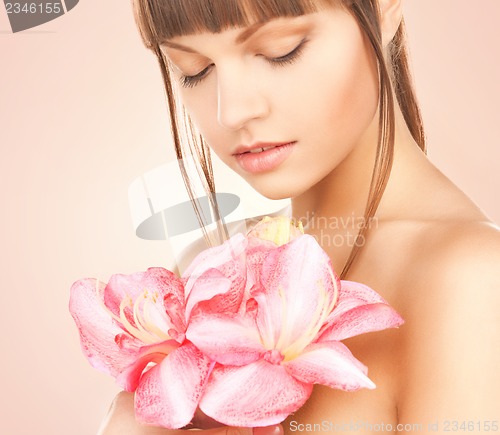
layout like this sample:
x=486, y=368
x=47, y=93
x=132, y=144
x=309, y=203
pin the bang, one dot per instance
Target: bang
x=159, y=20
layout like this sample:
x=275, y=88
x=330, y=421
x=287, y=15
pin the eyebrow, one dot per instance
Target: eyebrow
x=240, y=39
x=178, y=46
x=249, y=31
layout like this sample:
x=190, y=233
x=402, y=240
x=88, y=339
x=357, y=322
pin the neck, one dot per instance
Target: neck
x=344, y=190
x=333, y=209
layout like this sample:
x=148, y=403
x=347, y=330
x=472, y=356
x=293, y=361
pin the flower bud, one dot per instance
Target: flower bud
x=279, y=230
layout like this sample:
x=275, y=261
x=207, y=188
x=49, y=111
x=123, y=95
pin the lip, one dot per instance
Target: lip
x=265, y=160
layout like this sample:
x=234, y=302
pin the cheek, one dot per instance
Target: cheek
x=343, y=95
x=356, y=97
x=329, y=106
x=201, y=104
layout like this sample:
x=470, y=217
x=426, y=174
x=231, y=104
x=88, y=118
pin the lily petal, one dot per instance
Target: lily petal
x=359, y=310
x=168, y=394
x=331, y=364
x=360, y=320
x=256, y=252
x=157, y=280
x=227, y=340
x=100, y=336
x=229, y=260
x=354, y=294
x=213, y=258
x=129, y=378
x=258, y=394
x=211, y=283
x=300, y=288
x=213, y=293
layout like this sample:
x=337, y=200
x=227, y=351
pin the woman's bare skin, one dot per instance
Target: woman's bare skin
x=434, y=256
x=435, y=260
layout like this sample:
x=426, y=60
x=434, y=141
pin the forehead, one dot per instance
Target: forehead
x=170, y=18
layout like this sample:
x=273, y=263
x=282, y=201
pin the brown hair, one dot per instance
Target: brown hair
x=158, y=20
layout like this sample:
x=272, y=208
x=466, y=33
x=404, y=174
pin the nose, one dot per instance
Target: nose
x=240, y=99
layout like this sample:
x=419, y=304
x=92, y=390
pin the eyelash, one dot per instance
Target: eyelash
x=287, y=59
x=192, y=81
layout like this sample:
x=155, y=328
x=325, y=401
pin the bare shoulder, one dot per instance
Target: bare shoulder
x=456, y=258
x=450, y=301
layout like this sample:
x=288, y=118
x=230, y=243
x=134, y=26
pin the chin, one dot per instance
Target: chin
x=279, y=189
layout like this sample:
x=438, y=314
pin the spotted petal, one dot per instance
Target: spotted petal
x=103, y=342
x=129, y=378
x=331, y=364
x=256, y=252
x=231, y=251
x=258, y=394
x=229, y=260
x=299, y=293
x=210, y=284
x=359, y=310
x=169, y=393
x=229, y=340
x=155, y=280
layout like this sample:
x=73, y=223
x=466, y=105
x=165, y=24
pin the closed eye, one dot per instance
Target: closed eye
x=191, y=81
x=290, y=57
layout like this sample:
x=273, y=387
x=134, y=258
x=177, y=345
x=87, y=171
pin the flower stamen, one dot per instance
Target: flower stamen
x=145, y=328
x=323, y=309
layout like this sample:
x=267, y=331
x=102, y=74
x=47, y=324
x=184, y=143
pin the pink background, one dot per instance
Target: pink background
x=82, y=114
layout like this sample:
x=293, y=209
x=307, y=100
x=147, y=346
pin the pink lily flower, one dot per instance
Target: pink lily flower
x=134, y=329
x=287, y=338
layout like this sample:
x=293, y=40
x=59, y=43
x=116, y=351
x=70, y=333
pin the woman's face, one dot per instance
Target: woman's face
x=304, y=87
